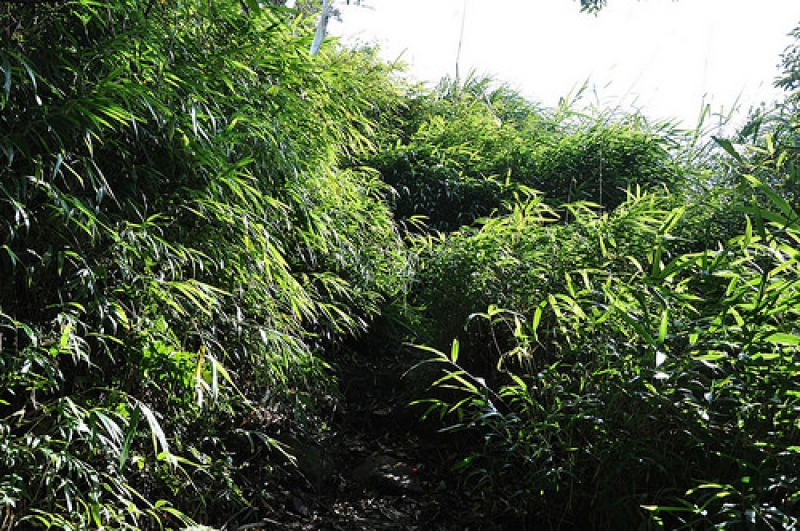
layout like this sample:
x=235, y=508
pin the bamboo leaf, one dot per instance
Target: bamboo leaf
x=748, y=231
x=727, y=145
x=66, y=334
x=157, y=433
x=133, y=425
x=7, y=83
x=780, y=338
x=662, y=329
x=782, y=204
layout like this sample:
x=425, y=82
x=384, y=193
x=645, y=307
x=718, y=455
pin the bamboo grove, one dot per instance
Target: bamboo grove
x=198, y=215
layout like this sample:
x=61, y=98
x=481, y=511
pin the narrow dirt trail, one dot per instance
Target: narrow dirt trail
x=377, y=466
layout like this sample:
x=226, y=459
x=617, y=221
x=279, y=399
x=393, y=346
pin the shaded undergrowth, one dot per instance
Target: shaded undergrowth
x=635, y=386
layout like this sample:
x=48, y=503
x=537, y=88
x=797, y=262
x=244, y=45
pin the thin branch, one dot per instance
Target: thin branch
x=322, y=26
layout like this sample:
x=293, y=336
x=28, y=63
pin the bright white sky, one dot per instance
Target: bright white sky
x=665, y=57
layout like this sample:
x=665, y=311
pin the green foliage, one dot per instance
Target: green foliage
x=463, y=151
x=178, y=241
x=515, y=260
x=653, y=391
x=767, y=146
x=592, y=6
x=600, y=165
x=451, y=155
x=193, y=209
x=790, y=63
x=645, y=372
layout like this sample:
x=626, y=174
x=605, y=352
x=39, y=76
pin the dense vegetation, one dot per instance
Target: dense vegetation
x=179, y=243
x=199, y=218
x=470, y=147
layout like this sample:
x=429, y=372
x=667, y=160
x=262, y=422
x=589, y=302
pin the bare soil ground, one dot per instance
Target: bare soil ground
x=375, y=465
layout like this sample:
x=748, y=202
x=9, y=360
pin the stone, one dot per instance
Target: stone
x=387, y=475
